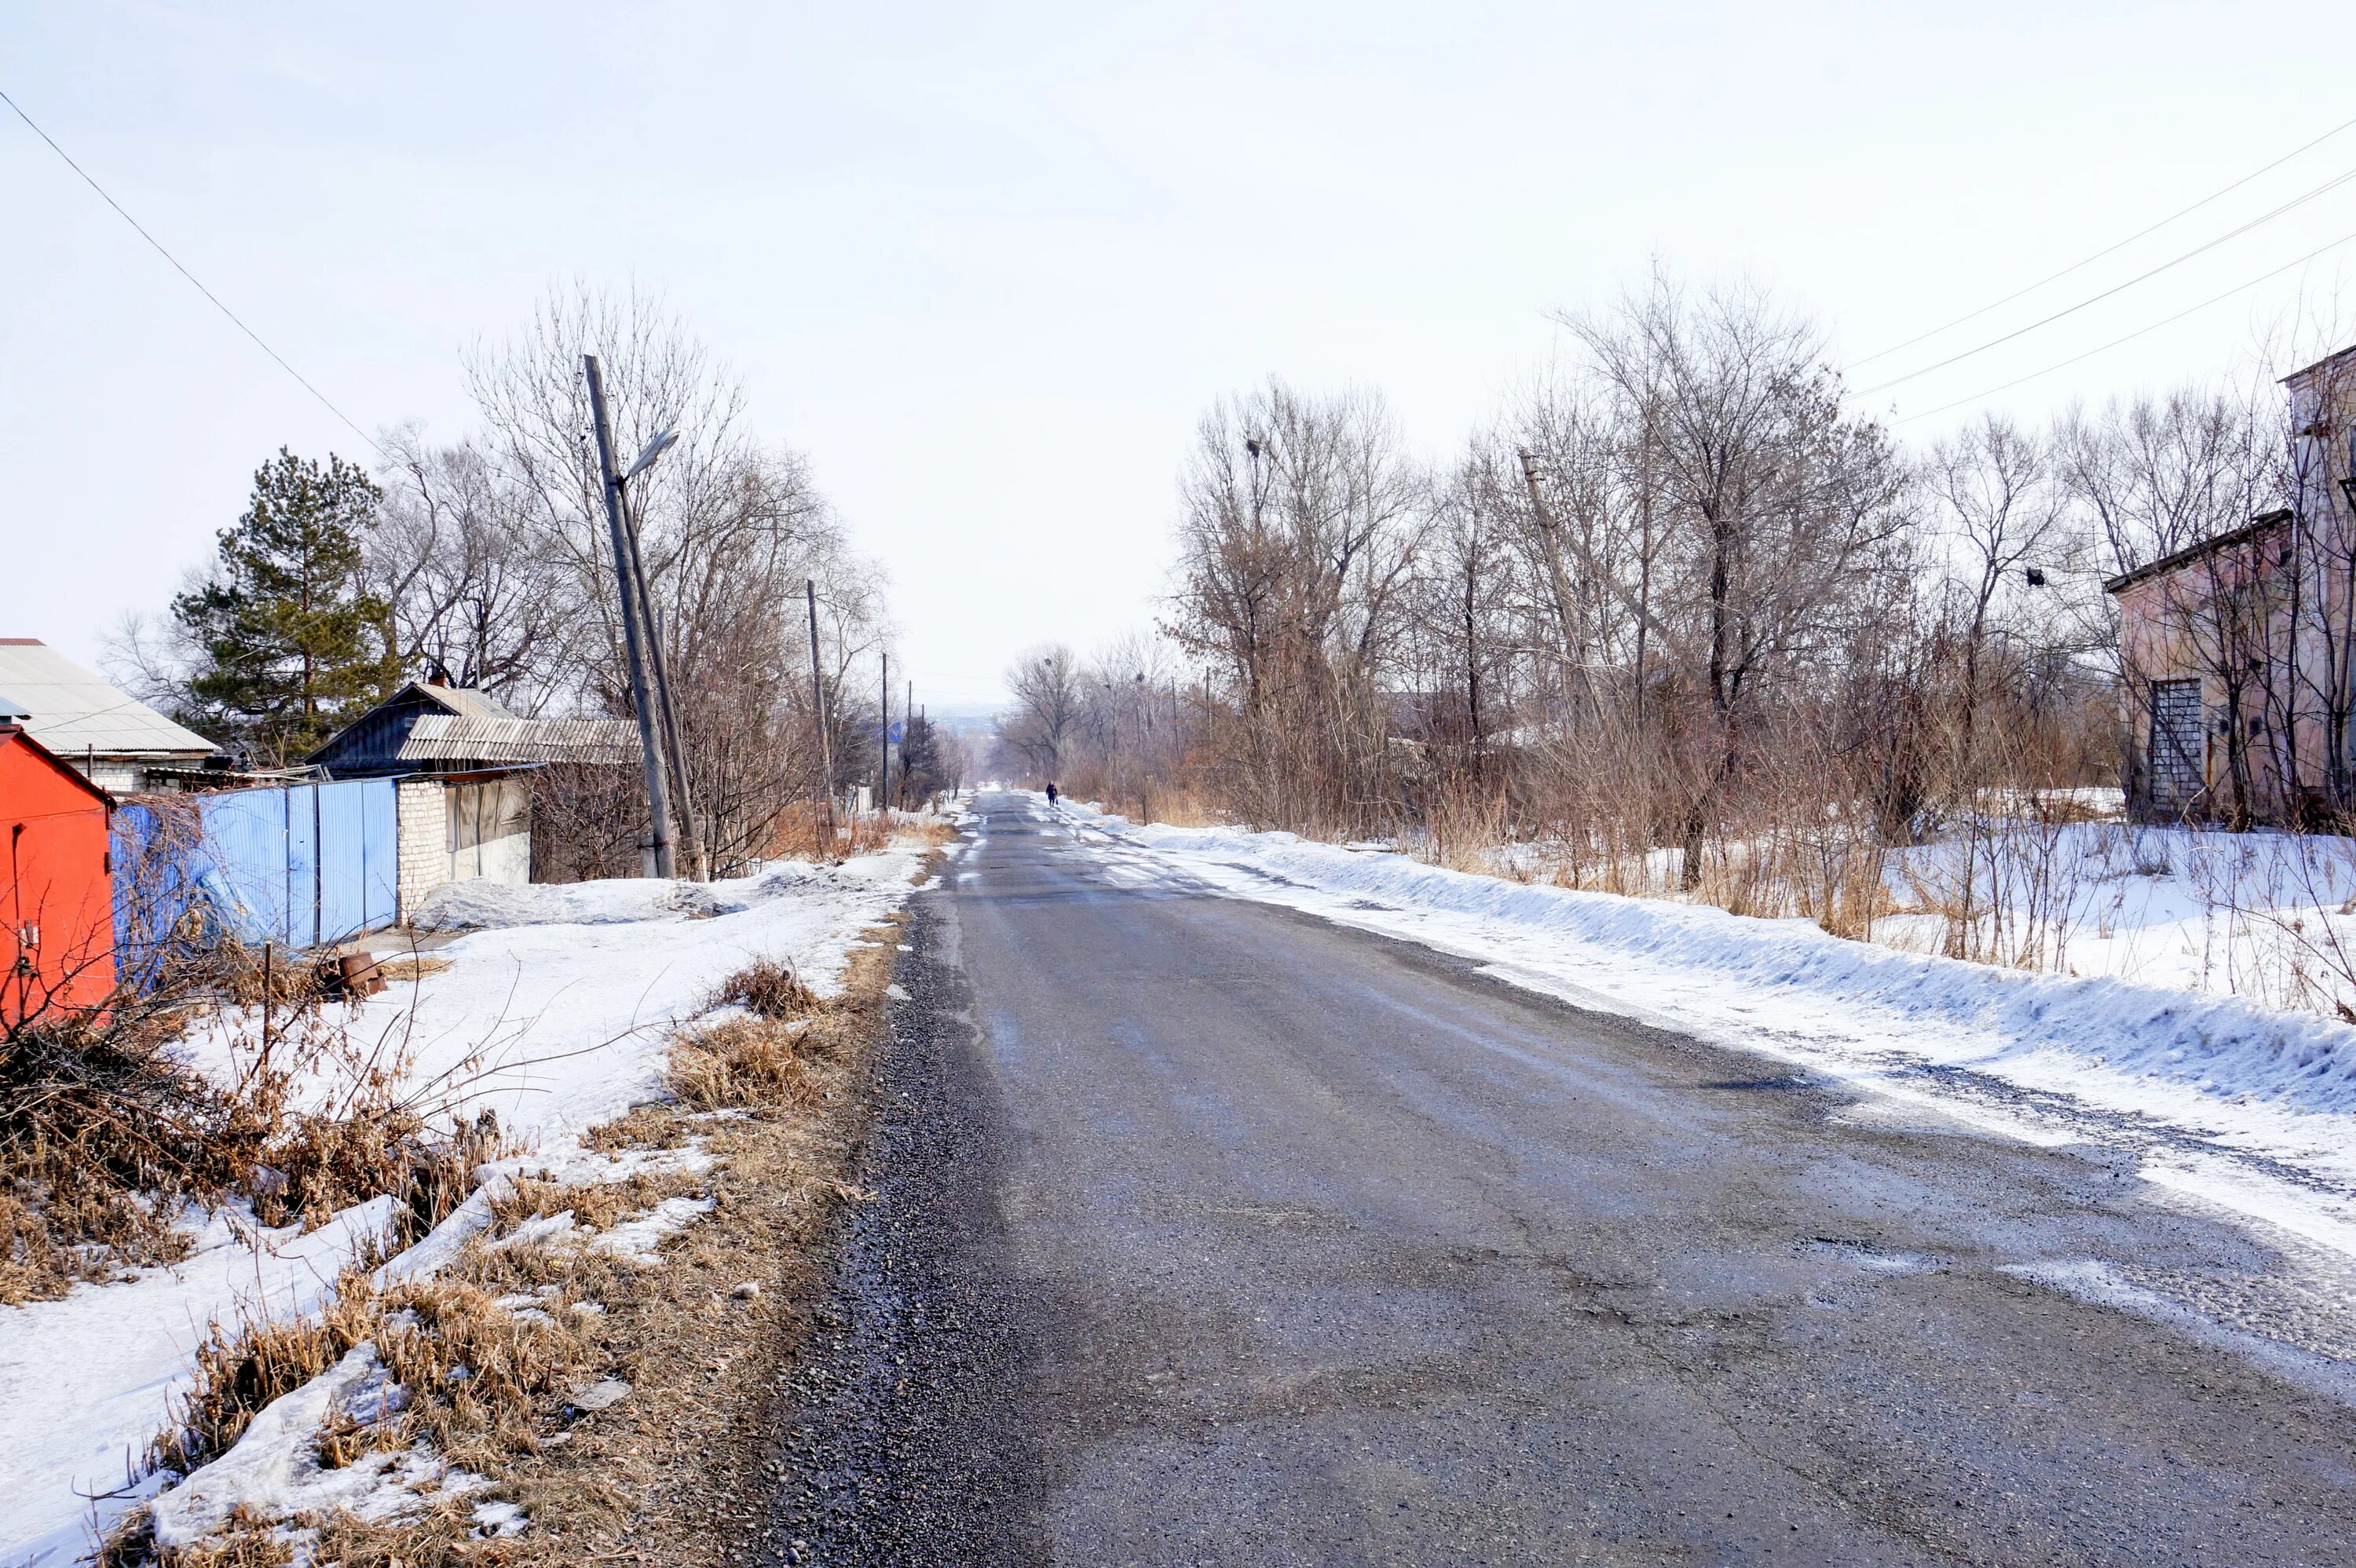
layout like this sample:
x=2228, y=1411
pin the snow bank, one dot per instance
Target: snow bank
x=2214, y=1046
x=2223, y=1101
x=553, y=1012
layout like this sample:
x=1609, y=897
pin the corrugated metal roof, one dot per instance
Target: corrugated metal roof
x=449, y=738
x=75, y=713
x=465, y=701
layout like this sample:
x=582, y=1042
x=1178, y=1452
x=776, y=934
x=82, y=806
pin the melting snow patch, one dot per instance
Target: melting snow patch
x=635, y=1240
x=274, y=1472
x=2091, y=1280
x=500, y=1519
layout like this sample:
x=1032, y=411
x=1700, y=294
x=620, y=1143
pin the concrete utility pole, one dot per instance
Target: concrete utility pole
x=658, y=860
x=817, y=710
x=682, y=799
x=884, y=744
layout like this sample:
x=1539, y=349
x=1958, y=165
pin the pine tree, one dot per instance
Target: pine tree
x=294, y=643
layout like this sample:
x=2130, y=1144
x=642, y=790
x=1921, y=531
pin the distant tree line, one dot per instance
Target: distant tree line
x=1684, y=615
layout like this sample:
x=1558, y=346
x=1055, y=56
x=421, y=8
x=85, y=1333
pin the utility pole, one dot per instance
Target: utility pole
x=683, y=800
x=817, y=710
x=884, y=744
x=659, y=850
x=907, y=717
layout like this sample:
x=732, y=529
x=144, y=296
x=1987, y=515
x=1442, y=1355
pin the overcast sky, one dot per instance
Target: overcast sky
x=986, y=264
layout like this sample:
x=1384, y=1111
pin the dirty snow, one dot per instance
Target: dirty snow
x=553, y=1013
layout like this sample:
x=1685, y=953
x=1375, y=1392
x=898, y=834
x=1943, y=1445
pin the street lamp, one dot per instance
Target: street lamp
x=654, y=448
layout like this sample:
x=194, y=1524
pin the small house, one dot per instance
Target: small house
x=2237, y=652
x=57, y=902
x=111, y=738
x=462, y=761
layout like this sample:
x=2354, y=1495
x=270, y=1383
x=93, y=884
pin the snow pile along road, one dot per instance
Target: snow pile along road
x=554, y=1010
x=2218, y=1095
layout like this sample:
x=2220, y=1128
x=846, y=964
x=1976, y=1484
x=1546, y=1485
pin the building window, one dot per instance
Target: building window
x=2177, y=743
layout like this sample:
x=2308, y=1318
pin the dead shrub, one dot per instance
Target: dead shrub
x=801, y=832
x=766, y=987
x=738, y=1061
x=103, y=1137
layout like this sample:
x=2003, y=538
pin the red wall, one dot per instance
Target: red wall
x=53, y=883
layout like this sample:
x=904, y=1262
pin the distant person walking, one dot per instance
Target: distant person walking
x=1053, y=794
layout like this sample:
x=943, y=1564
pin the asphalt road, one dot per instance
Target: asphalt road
x=1207, y=1232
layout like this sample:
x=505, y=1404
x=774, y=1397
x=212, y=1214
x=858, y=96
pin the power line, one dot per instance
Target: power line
x=192, y=278
x=2332, y=184
x=2138, y=332
x=2074, y=266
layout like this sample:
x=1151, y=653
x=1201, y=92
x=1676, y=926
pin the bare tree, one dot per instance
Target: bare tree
x=1301, y=521
x=1048, y=710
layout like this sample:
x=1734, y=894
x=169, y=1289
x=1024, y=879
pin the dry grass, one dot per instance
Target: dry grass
x=674, y=1474
x=103, y=1137
x=414, y=966
x=767, y=987
x=800, y=833
x=735, y=1062
x=106, y=1135
x=925, y=833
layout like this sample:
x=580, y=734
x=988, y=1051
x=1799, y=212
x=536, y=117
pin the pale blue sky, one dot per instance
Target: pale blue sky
x=985, y=264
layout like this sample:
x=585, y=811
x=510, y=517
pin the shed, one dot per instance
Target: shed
x=110, y=736
x=371, y=743
x=462, y=758
x=59, y=938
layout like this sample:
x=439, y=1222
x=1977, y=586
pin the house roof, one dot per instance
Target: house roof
x=453, y=737
x=2263, y=523
x=19, y=735
x=465, y=701
x=2306, y=372
x=365, y=739
x=76, y=712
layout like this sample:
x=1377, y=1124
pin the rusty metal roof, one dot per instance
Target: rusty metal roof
x=454, y=738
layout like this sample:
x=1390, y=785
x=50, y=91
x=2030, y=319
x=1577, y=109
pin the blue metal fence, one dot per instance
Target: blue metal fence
x=303, y=865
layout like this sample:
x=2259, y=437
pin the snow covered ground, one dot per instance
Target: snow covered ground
x=2222, y=1101
x=553, y=1011
x=2264, y=915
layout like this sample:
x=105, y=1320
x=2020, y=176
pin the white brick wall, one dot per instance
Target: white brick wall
x=421, y=814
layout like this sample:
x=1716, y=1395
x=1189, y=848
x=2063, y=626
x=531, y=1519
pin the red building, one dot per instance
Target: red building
x=56, y=897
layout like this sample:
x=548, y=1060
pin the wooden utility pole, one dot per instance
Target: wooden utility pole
x=884, y=743
x=817, y=711
x=659, y=836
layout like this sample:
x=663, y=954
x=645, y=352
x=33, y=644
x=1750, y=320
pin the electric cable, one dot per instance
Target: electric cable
x=2332, y=184
x=2074, y=266
x=192, y=278
x=2138, y=332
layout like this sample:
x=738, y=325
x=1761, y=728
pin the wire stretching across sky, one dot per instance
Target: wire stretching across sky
x=192, y=278
x=2105, y=251
x=2138, y=332
x=2332, y=184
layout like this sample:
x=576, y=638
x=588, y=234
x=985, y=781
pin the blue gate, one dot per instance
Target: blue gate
x=302, y=866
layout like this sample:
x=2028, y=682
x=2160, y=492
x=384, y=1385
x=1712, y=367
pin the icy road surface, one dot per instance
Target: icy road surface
x=1208, y=1231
